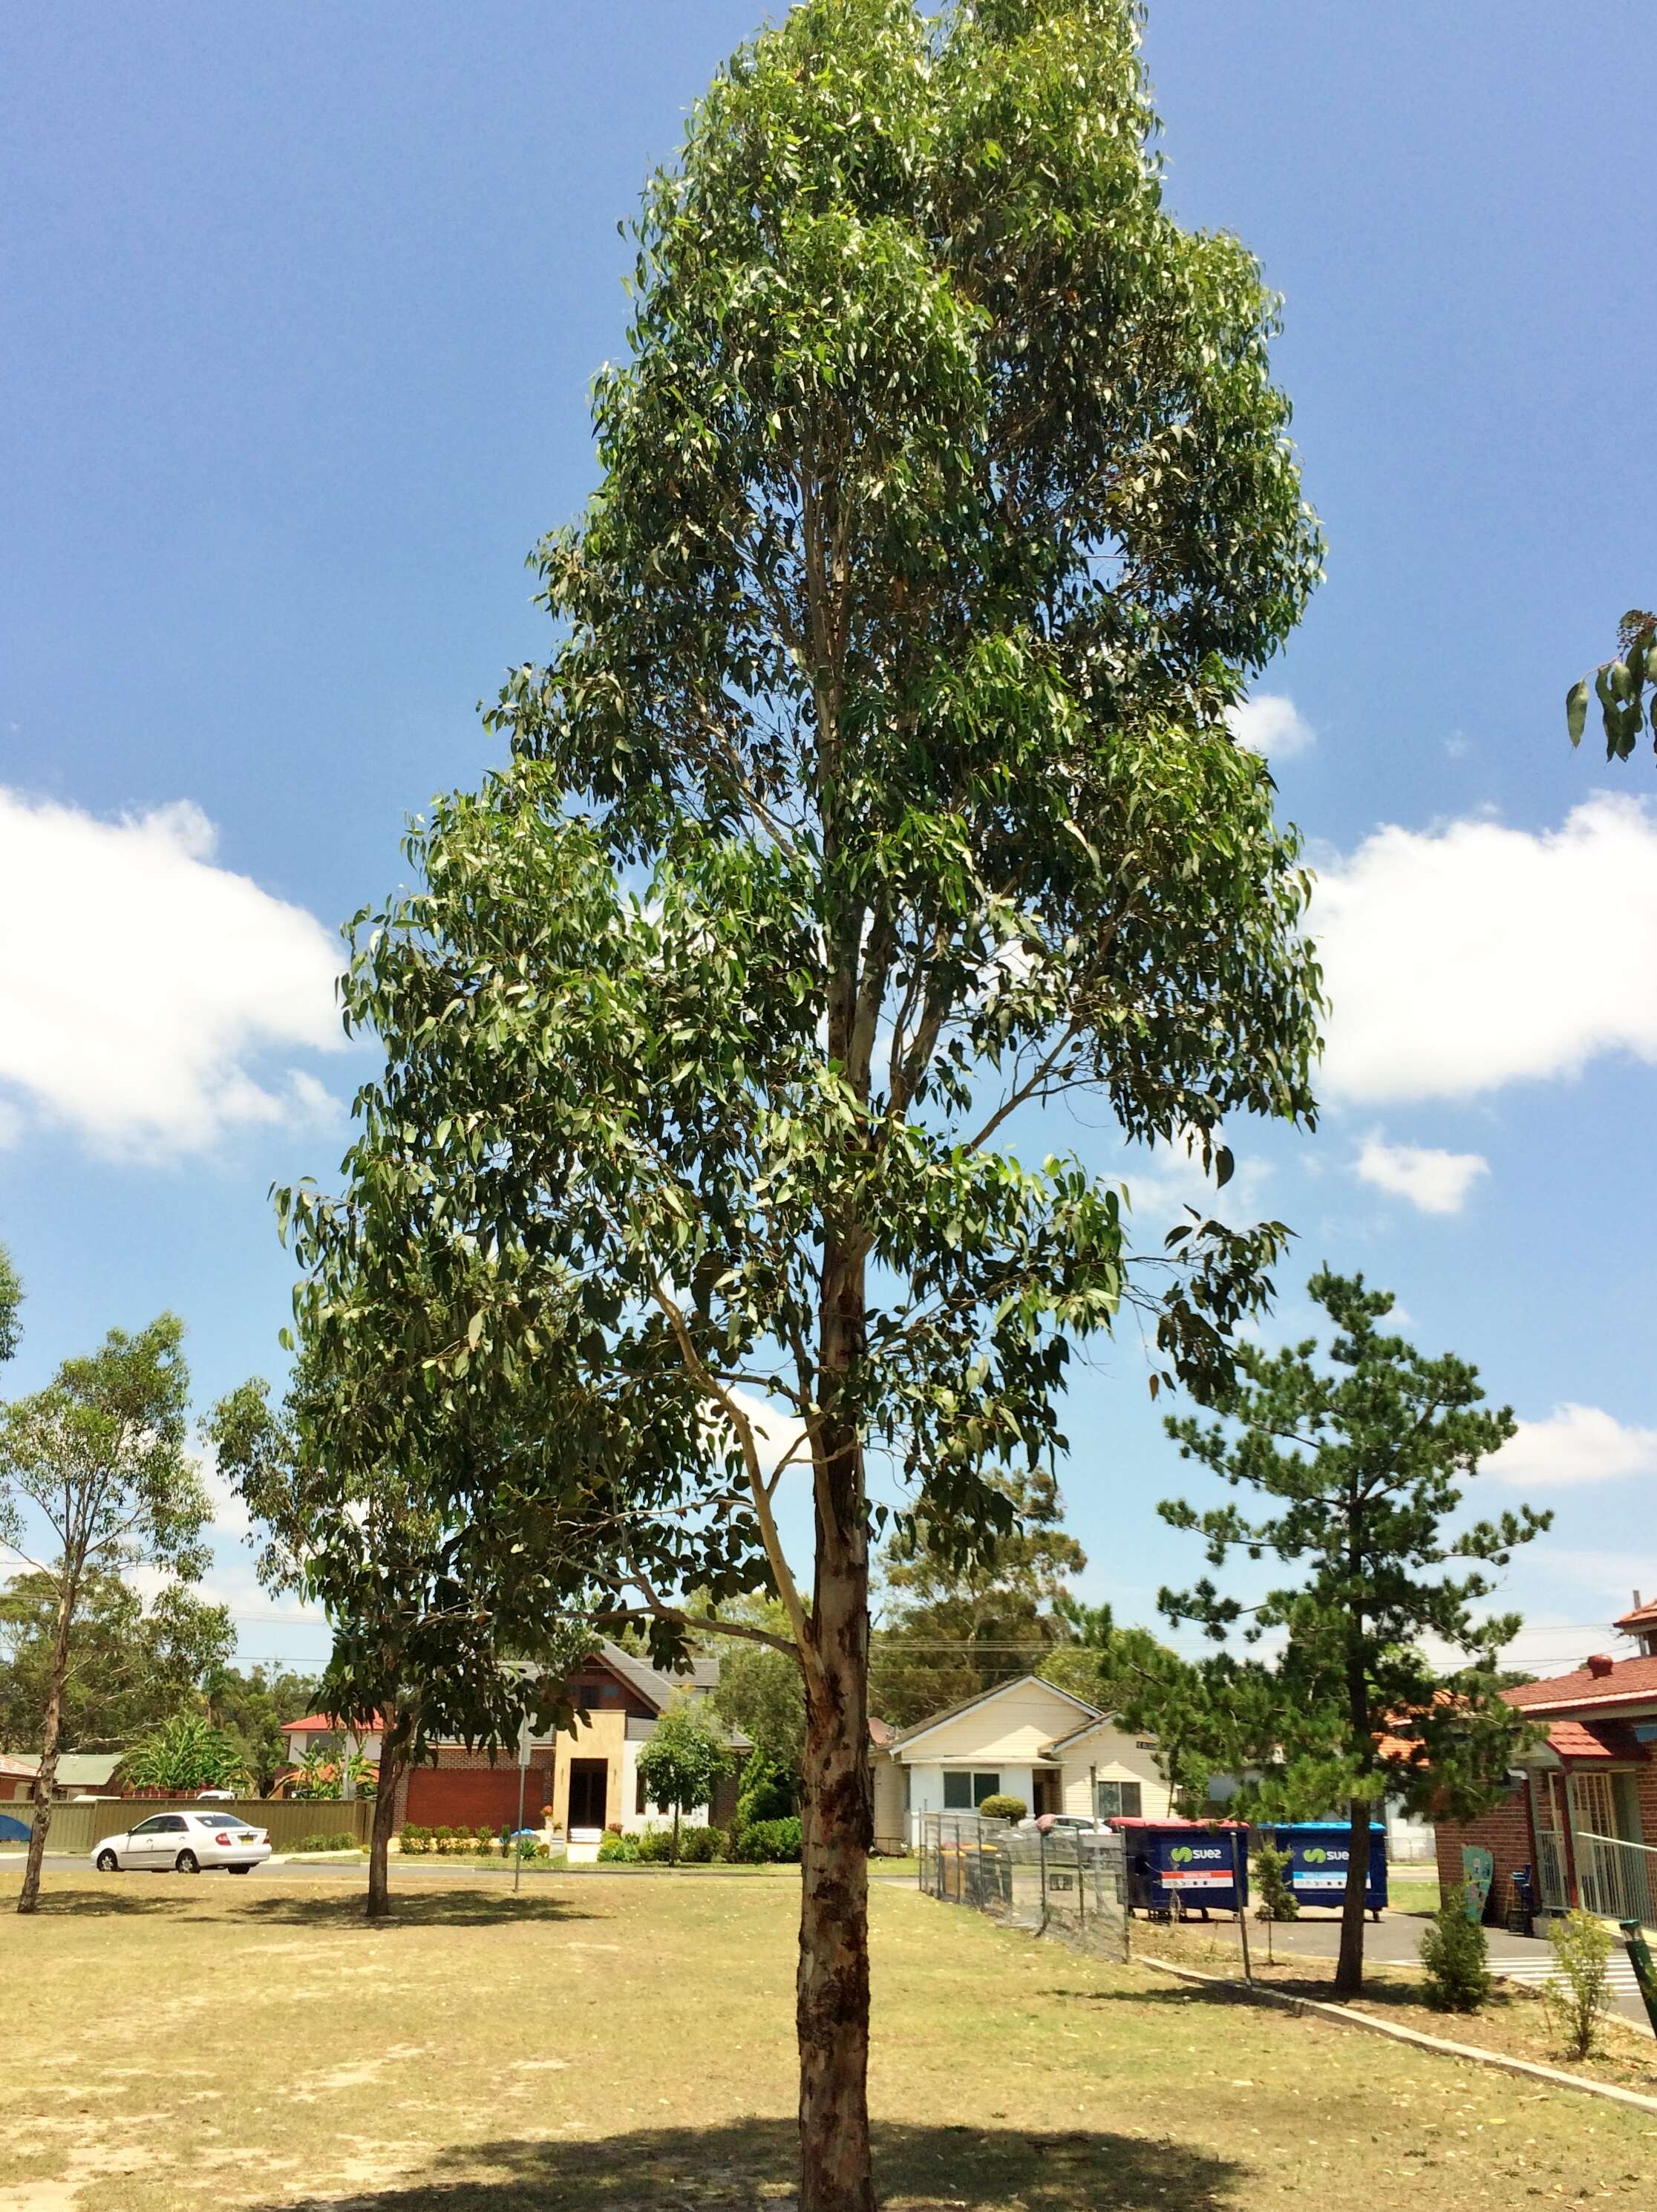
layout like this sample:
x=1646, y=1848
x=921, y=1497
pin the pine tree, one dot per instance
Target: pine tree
x=1357, y=1461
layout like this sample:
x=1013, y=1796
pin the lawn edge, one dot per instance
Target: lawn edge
x=1343, y=2016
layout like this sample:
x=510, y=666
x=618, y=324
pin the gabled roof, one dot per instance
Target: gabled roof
x=1626, y=1681
x=907, y=1736
x=18, y=1769
x=1074, y=1735
x=86, y=1769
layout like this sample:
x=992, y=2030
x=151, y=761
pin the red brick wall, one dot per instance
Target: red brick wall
x=465, y=1790
x=1505, y=1832
x=1646, y=1781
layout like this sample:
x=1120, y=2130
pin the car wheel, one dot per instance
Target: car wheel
x=108, y=1863
x=187, y=1863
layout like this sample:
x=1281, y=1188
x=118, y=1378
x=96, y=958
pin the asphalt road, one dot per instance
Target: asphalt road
x=1395, y=1939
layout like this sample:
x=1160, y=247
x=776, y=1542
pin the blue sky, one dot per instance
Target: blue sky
x=301, y=311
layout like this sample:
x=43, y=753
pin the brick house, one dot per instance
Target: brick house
x=1582, y=1812
x=583, y=1780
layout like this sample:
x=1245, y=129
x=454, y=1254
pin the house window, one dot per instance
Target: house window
x=1117, y=1800
x=963, y=1792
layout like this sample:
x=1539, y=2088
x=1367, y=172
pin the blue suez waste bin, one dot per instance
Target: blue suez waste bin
x=1191, y=1864
x=1318, y=1853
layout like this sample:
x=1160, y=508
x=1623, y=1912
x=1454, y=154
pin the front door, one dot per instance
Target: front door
x=589, y=1790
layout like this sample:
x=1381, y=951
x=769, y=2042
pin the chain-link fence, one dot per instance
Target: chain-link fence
x=1068, y=1882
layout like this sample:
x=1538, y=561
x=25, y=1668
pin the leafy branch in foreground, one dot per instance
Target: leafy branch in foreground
x=1620, y=685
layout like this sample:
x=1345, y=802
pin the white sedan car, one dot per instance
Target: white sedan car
x=184, y=1841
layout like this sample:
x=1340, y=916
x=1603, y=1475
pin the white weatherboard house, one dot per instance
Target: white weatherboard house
x=1026, y=1739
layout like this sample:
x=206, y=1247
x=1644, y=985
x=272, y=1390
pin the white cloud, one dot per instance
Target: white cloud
x=1461, y=958
x=1437, y=1182
x=1272, y=724
x=140, y=984
x=230, y=1515
x=1575, y=1444
x=777, y=1432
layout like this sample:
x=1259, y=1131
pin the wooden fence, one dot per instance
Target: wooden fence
x=77, y=1826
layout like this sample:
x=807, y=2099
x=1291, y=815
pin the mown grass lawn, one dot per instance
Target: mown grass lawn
x=615, y=2043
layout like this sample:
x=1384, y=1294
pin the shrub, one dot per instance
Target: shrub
x=767, y=1843
x=768, y=1791
x=656, y=1845
x=701, y=1846
x=415, y=1840
x=342, y=1840
x=1274, y=1892
x=1578, y=1995
x=616, y=1849
x=1003, y=1805
x=339, y=1840
x=1456, y=1958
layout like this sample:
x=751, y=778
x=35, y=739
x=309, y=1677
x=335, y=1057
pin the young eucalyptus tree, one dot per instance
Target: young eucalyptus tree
x=95, y=1467
x=444, y=1626
x=877, y=792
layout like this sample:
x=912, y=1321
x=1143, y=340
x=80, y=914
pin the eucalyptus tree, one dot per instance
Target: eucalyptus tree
x=1620, y=685
x=11, y=1297
x=96, y=1477
x=877, y=794
x=1359, y=1462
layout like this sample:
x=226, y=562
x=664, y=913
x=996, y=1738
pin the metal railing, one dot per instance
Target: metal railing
x=1067, y=1881
x=1614, y=1877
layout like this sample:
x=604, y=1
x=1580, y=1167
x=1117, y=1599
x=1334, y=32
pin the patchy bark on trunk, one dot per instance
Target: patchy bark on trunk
x=28, y=1897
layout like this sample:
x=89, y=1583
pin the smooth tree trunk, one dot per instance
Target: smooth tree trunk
x=837, y=1823
x=393, y=1766
x=673, y=1849
x=28, y=1897
x=1349, y=1973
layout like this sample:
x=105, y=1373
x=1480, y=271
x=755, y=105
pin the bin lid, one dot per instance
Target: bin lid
x=1136, y=1821
x=1322, y=1827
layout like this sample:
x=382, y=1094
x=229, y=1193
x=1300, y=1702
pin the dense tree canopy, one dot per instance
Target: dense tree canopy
x=877, y=789
x=130, y=1665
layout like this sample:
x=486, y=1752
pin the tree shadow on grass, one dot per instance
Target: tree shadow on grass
x=752, y=2166
x=106, y=1903
x=439, y=1908
x=295, y=1908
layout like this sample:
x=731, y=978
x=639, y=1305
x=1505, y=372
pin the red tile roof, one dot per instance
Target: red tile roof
x=321, y=1724
x=1627, y=1680
x=1643, y=1616
x=1579, y=1740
